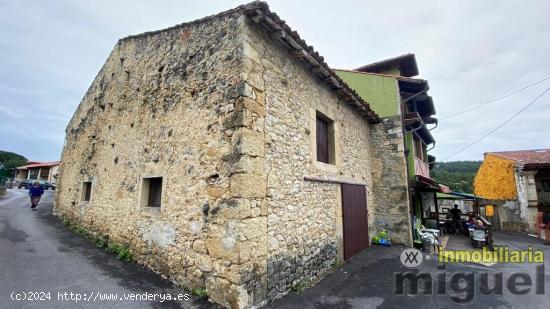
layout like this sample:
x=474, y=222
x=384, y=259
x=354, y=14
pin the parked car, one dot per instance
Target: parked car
x=26, y=183
x=47, y=185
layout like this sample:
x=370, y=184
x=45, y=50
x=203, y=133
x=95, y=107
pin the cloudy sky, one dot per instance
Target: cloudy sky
x=470, y=52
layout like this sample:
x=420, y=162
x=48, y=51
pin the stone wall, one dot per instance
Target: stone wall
x=390, y=209
x=510, y=216
x=172, y=104
x=304, y=225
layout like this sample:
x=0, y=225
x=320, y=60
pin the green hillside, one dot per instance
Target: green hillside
x=458, y=175
x=8, y=161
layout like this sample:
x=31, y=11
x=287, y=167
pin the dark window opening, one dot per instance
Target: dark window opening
x=418, y=149
x=155, y=192
x=325, y=139
x=86, y=191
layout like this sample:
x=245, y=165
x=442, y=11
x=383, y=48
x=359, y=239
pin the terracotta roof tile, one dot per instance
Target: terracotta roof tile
x=39, y=164
x=526, y=157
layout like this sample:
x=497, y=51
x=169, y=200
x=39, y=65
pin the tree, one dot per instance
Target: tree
x=8, y=162
x=458, y=175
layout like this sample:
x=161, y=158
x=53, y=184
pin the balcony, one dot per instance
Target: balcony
x=421, y=168
x=544, y=196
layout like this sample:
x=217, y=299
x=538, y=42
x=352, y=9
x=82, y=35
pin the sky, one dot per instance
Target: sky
x=469, y=51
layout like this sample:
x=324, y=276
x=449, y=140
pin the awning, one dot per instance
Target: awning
x=453, y=195
x=429, y=185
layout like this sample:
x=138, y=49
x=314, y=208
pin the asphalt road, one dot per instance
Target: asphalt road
x=39, y=255
x=368, y=281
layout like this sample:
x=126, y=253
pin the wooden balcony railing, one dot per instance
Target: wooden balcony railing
x=544, y=196
x=421, y=168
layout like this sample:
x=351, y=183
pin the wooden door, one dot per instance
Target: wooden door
x=354, y=209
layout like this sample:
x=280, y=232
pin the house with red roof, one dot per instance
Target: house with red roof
x=518, y=184
x=38, y=170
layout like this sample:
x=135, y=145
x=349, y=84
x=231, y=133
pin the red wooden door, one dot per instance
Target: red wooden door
x=354, y=209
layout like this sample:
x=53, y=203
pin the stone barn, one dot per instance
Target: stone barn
x=226, y=154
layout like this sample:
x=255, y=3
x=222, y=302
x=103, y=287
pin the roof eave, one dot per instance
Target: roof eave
x=406, y=64
x=259, y=13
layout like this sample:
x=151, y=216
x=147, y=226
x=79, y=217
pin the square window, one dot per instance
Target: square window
x=151, y=195
x=86, y=191
x=325, y=139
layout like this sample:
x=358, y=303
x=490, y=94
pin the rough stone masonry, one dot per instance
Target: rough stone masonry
x=224, y=114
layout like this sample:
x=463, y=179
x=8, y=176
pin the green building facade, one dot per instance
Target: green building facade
x=391, y=91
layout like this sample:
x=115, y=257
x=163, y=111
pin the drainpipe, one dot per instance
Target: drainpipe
x=418, y=128
x=433, y=146
x=407, y=152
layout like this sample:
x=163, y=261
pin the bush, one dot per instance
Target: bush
x=123, y=253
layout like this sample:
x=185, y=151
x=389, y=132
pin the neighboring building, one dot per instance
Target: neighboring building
x=227, y=154
x=518, y=184
x=446, y=202
x=47, y=171
x=407, y=110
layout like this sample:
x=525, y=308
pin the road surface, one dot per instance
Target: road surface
x=38, y=255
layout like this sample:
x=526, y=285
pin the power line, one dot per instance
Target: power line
x=495, y=100
x=18, y=125
x=15, y=123
x=500, y=125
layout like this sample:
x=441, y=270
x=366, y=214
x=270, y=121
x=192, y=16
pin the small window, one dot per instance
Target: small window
x=86, y=191
x=419, y=149
x=325, y=139
x=152, y=192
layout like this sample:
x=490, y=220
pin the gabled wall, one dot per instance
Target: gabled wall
x=380, y=91
x=173, y=104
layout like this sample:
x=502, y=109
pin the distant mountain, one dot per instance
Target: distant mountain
x=458, y=175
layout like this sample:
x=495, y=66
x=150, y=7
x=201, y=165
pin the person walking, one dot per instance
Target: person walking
x=35, y=192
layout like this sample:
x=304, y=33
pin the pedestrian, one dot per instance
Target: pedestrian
x=35, y=192
x=455, y=219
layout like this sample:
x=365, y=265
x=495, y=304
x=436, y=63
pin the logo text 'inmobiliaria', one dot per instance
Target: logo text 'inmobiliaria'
x=499, y=255
x=462, y=286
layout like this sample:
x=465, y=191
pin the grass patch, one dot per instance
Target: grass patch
x=100, y=242
x=123, y=253
x=200, y=293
